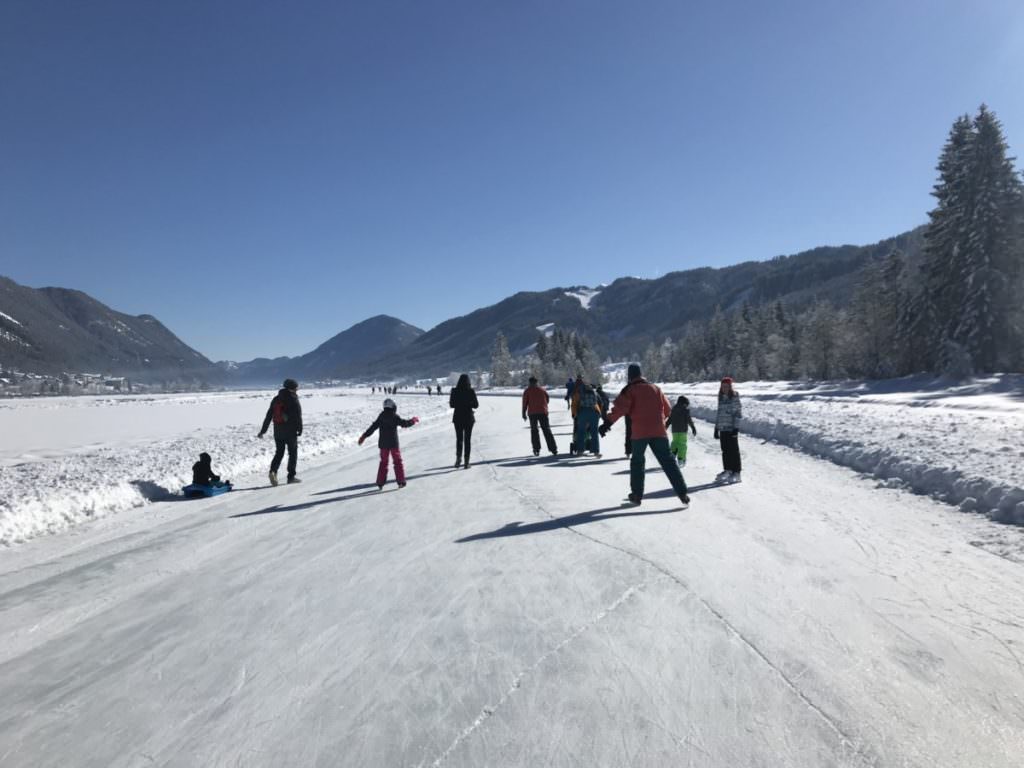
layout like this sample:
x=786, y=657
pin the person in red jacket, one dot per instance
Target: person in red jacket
x=647, y=407
x=535, y=405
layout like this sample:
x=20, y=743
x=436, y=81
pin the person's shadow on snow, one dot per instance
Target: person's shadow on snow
x=518, y=528
x=311, y=504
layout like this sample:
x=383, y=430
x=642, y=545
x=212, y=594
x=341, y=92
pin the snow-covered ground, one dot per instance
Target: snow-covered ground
x=961, y=443
x=513, y=614
x=958, y=442
x=67, y=460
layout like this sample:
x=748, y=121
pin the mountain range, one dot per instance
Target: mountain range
x=54, y=330
x=49, y=330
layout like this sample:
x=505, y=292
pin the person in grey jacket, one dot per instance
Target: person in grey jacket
x=727, y=430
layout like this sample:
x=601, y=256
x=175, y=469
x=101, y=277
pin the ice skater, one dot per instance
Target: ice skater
x=648, y=407
x=727, y=431
x=286, y=414
x=388, y=423
x=680, y=420
x=535, y=406
x=586, y=412
x=463, y=402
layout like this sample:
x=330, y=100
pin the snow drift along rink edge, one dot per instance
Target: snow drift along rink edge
x=936, y=439
x=49, y=496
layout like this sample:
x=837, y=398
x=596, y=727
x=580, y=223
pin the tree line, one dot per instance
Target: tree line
x=955, y=306
x=554, y=357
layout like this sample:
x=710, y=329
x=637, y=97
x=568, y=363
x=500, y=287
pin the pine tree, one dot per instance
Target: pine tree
x=873, y=336
x=988, y=264
x=501, y=362
x=928, y=322
x=818, y=341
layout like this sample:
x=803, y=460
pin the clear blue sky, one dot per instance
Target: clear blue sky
x=261, y=175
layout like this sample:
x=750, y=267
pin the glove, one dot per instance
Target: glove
x=524, y=417
x=603, y=429
x=361, y=439
x=260, y=435
x=694, y=431
x=415, y=419
x=717, y=434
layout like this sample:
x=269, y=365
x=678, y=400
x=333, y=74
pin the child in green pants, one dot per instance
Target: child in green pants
x=680, y=420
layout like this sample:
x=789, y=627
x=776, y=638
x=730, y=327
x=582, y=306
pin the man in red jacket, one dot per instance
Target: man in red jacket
x=647, y=407
x=535, y=405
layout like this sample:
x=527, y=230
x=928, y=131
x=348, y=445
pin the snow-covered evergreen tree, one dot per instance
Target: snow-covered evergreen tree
x=928, y=321
x=501, y=362
x=988, y=265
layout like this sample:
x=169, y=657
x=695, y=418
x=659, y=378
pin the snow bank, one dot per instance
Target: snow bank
x=110, y=468
x=960, y=443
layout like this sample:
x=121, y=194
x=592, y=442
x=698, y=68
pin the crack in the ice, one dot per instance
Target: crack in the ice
x=846, y=740
x=517, y=680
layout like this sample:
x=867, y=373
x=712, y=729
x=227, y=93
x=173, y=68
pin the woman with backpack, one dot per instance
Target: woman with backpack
x=463, y=402
x=727, y=430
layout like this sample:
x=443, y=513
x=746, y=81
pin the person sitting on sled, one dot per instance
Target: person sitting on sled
x=202, y=472
x=388, y=423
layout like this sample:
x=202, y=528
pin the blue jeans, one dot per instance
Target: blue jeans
x=662, y=452
x=586, y=422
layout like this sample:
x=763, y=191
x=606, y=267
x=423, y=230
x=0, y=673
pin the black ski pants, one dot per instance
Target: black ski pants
x=637, y=465
x=291, y=442
x=463, y=440
x=730, y=450
x=539, y=422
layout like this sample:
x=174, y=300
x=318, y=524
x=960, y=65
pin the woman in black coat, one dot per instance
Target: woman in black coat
x=463, y=401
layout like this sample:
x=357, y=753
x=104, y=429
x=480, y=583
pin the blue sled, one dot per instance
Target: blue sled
x=198, y=491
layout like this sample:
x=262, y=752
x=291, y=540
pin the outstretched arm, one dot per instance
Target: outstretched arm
x=369, y=430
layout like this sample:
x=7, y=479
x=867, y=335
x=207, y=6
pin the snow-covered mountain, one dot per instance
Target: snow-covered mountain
x=52, y=330
x=345, y=354
x=622, y=318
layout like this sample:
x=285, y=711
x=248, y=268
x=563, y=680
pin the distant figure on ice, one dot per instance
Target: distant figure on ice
x=439, y=389
x=535, y=405
x=648, y=407
x=680, y=420
x=586, y=414
x=388, y=423
x=727, y=430
x=570, y=386
x=463, y=401
x=286, y=414
x=430, y=391
x=202, y=472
